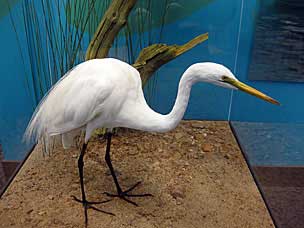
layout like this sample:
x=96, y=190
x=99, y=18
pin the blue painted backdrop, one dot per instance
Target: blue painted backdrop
x=16, y=103
x=231, y=30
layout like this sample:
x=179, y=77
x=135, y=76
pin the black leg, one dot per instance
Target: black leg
x=109, y=163
x=121, y=194
x=86, y=204
x=80, y=170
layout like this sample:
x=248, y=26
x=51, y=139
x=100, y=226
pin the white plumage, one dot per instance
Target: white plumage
x=108, y=93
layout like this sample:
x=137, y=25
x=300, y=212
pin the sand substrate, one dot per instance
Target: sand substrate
x=196, y=173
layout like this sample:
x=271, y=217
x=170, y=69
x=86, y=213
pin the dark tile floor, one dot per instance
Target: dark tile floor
x=7, y=170
x=283, y=190
x=275, y=154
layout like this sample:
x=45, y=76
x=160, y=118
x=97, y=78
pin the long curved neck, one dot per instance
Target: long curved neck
x=142, y=117
x=175, y=116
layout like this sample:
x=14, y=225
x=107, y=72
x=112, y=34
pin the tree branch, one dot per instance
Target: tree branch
x=153, y=57
x=113, y=20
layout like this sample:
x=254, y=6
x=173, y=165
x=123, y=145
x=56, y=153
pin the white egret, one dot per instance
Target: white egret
x=108, y=93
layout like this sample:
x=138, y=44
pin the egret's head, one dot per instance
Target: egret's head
x=220, y=75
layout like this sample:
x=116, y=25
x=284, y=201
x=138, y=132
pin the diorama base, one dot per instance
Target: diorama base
x=196, y=173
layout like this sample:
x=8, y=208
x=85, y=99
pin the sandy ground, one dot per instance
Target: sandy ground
x=196, y=173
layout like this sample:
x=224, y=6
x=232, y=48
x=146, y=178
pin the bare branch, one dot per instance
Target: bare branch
x=113, y=21
x=153, y=57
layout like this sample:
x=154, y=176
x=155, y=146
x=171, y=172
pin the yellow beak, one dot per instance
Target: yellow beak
x=250, y=90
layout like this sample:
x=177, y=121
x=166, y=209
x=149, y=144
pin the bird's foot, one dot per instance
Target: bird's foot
x=124, y=194
x=89, y=205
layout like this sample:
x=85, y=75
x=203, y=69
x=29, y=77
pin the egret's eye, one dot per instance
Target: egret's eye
x=225, y=78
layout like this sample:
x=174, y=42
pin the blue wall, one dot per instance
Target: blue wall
x=16, y=103
x=247, y=108
x=231, y=32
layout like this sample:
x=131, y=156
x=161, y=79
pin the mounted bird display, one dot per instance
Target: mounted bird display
x=107, y=93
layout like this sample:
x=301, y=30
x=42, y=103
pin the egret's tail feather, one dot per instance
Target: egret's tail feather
x=34, y=130
x=40, y=129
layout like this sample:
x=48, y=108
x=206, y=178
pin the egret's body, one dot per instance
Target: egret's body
x=108, y=93
x=98, y=93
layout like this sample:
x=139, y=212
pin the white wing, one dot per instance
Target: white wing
x=71, y=103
